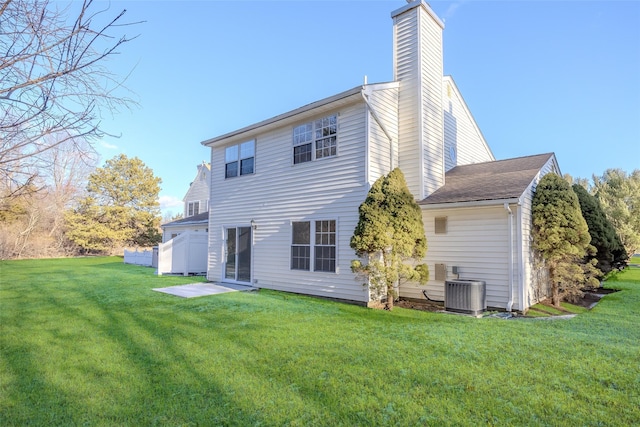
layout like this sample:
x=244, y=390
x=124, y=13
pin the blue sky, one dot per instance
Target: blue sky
x=538, y=76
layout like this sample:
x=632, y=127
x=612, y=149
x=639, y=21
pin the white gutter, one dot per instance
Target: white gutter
x=510, y=234
x=467, y=204
x=382, y=126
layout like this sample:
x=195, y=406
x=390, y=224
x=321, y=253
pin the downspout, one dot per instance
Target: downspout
x=382, y=126
x=367, y=136
x=510, y=234
x=522, y=286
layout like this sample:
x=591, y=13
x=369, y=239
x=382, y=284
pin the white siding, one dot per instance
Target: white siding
x=407, y=71
x=432, y=115
x=280, y=192
x=461, y=131
x=418, y=68
x=534, y=287
x=198, y=190
x=385, y=104
x=477, y=242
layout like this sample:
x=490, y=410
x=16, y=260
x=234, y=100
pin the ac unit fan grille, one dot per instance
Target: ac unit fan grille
x=465, y=296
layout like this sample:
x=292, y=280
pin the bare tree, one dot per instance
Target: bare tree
x=54, y=84
x=31, y=225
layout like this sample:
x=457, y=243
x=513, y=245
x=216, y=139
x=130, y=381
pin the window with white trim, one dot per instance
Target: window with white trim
x=313, y=245
x=193, y=208
x=301, y=245
x=325, y=246
x=239, y=159
x=315, y=140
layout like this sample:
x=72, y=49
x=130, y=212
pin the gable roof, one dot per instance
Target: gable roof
x=497, y=180
x=341, y=98
x=201, y=218
x=448, y=80
x=204, y=169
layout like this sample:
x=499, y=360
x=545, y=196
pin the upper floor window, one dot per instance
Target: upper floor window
x=315, y=140
x=193, y=208
x=239, y=159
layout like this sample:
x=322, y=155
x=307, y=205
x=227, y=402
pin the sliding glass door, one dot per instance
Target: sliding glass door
x=238, y=254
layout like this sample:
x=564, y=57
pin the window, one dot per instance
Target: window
x=325, y=248
x=302, y=140
x=315, y=140
x=193, y=208
x=322, y=240
x=300, y=246
x=239, y=159
x=326, y=130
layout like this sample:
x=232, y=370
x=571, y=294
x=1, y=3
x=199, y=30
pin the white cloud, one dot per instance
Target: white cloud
x=451, y=10
x=108, y=146
x=167, y=202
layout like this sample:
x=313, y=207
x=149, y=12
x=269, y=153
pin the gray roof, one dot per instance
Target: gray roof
x=201, y=218
x=496, y=180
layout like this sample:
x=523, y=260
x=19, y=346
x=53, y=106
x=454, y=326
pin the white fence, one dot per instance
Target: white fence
x=184, y=254
x=139, y=258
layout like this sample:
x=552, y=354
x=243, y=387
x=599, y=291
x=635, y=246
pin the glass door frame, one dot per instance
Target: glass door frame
x=242, y=254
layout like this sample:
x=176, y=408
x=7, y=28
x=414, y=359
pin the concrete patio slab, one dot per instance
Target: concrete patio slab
x=203, y=289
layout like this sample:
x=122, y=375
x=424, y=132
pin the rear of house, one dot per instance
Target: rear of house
x=478, y=227
x=285, y=191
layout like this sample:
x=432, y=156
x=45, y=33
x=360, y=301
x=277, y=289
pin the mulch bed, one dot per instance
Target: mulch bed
x=589, y=298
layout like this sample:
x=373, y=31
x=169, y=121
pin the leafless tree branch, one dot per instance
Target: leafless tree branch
x=54, y=84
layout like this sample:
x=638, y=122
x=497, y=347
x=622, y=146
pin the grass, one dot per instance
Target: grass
x=86, y=341
x=545, y=310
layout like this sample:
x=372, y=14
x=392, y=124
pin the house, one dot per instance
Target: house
x=287, y=189
x=196, y=206
x=184, y=241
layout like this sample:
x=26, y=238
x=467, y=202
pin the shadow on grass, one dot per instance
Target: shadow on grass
x=96, y=357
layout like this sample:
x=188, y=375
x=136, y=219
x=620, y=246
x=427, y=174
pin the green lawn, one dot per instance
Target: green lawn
x=86, y=342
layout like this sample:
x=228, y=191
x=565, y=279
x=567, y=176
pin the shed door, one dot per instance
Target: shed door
x=238, y=254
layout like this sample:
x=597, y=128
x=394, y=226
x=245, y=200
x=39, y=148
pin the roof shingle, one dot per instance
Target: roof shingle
x=195, y=219
x=496, y=180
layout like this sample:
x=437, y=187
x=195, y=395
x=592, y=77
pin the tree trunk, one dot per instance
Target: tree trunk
x=555, y=294
x=389, y=304
x=555, y=286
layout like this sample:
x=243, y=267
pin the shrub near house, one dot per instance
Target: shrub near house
x=561, y=236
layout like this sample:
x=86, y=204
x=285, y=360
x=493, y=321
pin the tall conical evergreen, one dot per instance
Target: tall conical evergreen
x=609, y=249
x=390, y=237
x=561, y=236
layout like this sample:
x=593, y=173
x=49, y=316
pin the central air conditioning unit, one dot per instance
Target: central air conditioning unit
x=465, y=296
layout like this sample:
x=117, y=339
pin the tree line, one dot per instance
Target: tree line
x=118, y=207
x=55, y=85
x=583, y=231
